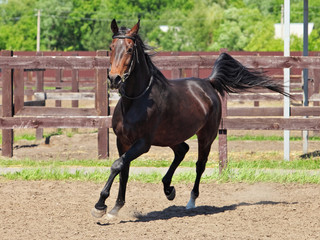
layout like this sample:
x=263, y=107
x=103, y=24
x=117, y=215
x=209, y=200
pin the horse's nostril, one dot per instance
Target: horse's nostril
x=117, y=79
x=114, y=80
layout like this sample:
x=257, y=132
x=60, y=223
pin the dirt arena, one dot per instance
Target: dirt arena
x=61, y=209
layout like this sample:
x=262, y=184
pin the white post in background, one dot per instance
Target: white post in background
x=305, y=134
x=38, y=31
x=286, y=79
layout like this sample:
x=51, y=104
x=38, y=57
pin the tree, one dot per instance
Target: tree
x=193, y=25
x=237, y=29
x=18, y=29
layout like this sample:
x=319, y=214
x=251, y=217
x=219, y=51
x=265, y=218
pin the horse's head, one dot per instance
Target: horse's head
x=122, y=53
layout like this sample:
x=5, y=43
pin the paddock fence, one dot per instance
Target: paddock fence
x=29, y=81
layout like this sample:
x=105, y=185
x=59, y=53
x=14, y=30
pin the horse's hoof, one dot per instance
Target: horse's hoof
x=172, y=194
x=191, y=204
x=110, y=216
x=98, y=213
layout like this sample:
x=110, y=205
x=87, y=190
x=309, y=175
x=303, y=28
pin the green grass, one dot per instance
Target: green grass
x=56, y=174
x=299, y=164
x=298, y=171
x=229, y=175
x=31, y=137
x=6, y=162
x=252, y=176
x=242, y=167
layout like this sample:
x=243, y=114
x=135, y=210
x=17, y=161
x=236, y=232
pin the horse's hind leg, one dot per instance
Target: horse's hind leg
x=180, y=151
x=203, y=153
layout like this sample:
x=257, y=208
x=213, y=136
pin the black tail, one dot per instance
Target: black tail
x=231, y=76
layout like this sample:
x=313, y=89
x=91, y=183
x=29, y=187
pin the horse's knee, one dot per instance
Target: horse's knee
x=117, y=166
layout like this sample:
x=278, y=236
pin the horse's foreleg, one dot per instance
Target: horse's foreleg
x=100, y=208
x=179, y=153
x=122, y=164
x=124, y=175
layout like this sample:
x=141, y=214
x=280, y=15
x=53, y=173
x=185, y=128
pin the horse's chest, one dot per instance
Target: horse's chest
x=131, y=126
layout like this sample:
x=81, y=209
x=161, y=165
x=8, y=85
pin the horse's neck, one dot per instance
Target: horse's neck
x=135, y=86
x=137, y=82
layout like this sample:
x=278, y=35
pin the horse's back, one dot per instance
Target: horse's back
x=192, y=104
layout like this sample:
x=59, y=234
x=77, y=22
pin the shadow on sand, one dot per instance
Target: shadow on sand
x=181, y=211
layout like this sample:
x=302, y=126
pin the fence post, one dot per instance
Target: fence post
x=29, y=82
x=18, y=82
x=58, y=81
x=195, y=70
x=40, y=88
x=223, y=147
x=102, y=106
x=75, y=87
x=316, y=89
x=176, y=72
x=7, y=106
x=75, y=83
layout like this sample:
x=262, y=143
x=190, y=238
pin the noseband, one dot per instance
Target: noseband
x=132, y=65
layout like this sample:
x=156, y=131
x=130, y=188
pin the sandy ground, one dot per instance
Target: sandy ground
x=61, y=210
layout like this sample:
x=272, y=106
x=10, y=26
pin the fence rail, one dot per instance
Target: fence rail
x=18, y=113
x=164, y=62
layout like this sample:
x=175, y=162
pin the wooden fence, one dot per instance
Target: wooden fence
x=18, y=113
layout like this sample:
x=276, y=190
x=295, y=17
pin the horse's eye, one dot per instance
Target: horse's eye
x=130, y=50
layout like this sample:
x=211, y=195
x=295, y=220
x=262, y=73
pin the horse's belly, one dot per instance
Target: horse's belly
x=173, y=135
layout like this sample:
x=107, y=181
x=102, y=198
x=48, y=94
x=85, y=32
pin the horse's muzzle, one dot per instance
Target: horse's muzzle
x=114, y=81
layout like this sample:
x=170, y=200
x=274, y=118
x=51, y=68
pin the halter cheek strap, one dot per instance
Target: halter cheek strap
x=132, y=65
x=135, y=54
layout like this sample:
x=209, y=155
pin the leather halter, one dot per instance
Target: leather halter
x=132, y=65
x=135, y=54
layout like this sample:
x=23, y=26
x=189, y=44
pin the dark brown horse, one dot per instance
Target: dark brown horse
x=155, y=111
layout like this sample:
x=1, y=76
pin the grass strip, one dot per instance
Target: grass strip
x=56, y=174
x=298, y=164
x=5, y=162
x=31, y=137
x=229, y=175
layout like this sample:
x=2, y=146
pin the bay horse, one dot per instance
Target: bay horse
x=155, y=111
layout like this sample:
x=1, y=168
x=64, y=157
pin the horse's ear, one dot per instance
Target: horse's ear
x=135, y=29
x=114, y=26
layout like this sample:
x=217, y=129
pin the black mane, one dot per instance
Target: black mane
x=149, y=52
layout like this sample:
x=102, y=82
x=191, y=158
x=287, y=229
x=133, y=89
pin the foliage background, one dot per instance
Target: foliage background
x=193, y=25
